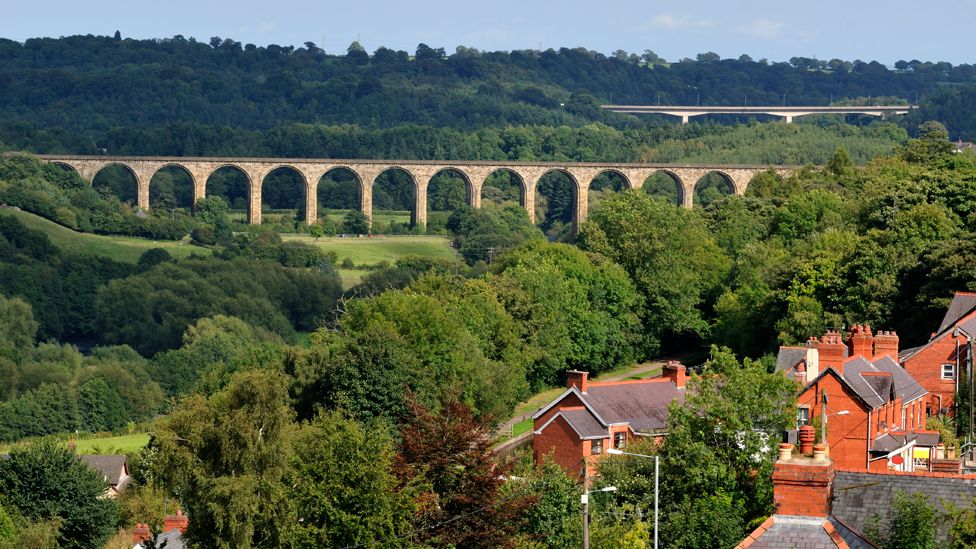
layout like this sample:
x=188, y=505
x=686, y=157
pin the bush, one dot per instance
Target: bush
x=203, y=236
x=355, y=222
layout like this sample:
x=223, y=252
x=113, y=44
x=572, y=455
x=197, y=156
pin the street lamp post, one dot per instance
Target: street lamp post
x=617, y=452
x=585, y=500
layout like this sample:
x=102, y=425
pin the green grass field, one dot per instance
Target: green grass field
x=120, y=248
x=122, y=444
x=380, y=217
x=370, y=251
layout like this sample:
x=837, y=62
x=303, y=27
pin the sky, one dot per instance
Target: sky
x=776, y=30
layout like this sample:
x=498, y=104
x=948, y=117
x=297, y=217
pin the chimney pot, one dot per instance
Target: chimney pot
x=785, y=451
x=807, y=435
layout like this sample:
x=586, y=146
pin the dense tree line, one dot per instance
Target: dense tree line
x=60, y=287
x=94, y=82
x=822, y=249
x=51, y=388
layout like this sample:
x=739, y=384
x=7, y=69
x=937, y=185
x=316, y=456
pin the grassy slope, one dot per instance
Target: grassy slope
x=369, y=251
x=120, y=248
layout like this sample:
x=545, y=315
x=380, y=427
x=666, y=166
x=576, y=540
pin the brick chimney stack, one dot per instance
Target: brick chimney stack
x=141, y=533
x=676, y=372
x=861, y=341
x=831, y=350
x=576, y=378
x=802, y=484
x=179, y=521
x=886, y=344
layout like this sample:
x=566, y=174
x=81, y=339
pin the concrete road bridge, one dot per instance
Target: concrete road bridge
x=787, y=113
x=474, y=173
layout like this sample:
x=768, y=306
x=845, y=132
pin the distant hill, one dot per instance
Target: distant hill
x=81, y=93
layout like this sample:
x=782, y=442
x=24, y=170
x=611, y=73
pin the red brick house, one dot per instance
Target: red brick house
x=874, y=409
x=937, y=364
x=588, y=417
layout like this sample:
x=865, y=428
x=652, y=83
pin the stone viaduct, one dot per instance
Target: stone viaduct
x=474, y=173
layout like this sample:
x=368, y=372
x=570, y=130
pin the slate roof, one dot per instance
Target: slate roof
x=794, y=532
x=927, y=438
x=860, y=385
x=888, y=443
x=111, y=467
x=905, y=353
x=877, y=390
x=962, y=304
x=858, y=495
x=881, y=384
x=905, y=385
x=173, y=540
x=788, y=357
x=969, y=325
x=641, y=404
x=583, y=422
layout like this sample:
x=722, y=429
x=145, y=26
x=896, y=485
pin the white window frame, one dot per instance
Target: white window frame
x=805, y=420
x=596, y=446
x=622, y=438
x=952, y=371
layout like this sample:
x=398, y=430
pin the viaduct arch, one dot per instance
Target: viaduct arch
x=474, y=173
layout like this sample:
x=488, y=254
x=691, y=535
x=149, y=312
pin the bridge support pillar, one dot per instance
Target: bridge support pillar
x=688, y=195
x=142, y=187
x=254, y=204
x=366, y=203
x=788, y=118
x=311, y=203
x=199, y=189
x=256, y=176
x=684, y=119
x=420, y=205
x=367, y=178
x=476, y=181
x=475, y=199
